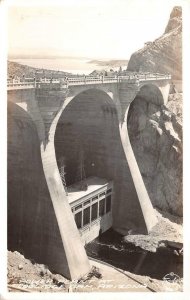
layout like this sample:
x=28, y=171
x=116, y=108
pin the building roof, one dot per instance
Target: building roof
x=94, y=184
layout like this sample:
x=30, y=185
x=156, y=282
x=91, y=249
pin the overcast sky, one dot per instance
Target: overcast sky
x=93, y=29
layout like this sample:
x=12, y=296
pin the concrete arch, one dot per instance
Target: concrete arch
x=25, y=176
x=158, y=91
x=132, y=210
x=95, y=106
x=111, y=94
x=84, y=121
x=138, y=192
x=62, y=236
x=145, y=105
x=32, y=225
x=151, y=93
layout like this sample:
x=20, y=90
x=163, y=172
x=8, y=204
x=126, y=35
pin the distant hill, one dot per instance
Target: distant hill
x=109, y=63
x=16, y=69
x=164, y=55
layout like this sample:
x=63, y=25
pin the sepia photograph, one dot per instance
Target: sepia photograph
x=94, y=147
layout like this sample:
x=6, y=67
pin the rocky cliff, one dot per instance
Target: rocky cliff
x=164, y=55
x=156, y=137
x=156, y=130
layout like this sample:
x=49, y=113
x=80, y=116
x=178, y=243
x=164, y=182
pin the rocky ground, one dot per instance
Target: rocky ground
x=175, y=105
x=25, y=275
x=167, y=232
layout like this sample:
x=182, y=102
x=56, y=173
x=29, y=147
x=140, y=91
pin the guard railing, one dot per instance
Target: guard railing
x=82, y=80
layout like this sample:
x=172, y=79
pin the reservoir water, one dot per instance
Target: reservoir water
x=71, y=65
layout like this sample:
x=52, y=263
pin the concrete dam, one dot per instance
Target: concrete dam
x=72, y=173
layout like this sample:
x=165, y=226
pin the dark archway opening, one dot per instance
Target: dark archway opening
x=88, y=133
x=156, y=146
x=90, y=123
x=143, y=127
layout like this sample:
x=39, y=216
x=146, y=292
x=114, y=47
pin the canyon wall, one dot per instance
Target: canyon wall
x=156, y=130
x=164, y=55
x=156, y=137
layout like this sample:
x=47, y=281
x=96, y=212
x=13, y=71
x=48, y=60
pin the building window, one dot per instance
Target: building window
x=94, y=198
x=78, y=219
x=86, y=202
x=102, y=207
x=94, y=211
x=86, y=216
x=108, y=203
x=78, y=207
x=102, y=194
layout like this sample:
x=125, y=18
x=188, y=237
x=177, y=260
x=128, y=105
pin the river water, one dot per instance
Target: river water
x=111, y=248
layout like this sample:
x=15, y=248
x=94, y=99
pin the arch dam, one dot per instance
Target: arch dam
x=50, y=119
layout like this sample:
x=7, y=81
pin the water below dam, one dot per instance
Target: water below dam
x=111, y=248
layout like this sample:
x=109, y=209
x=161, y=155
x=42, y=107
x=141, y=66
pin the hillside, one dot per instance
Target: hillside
x=164, y=55
x=156, y=131
x=109, y=63
x=16, y=69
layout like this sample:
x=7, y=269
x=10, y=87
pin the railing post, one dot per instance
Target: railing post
x=35, y=82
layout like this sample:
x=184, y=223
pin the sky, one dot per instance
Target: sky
x=81, y=28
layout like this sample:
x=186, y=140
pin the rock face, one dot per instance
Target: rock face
x=156, y=130
x=164, y=55
x=156, y=133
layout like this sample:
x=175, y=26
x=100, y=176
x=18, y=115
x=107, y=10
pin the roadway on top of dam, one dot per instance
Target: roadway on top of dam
x=31, y=83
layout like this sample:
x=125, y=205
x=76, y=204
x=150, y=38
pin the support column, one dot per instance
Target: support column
x=76, y=263
x=133, y=210
x=149, y=216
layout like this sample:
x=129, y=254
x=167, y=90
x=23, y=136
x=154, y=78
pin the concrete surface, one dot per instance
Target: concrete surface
x=37, y=197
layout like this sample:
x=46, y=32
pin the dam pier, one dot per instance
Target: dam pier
x=72, y=173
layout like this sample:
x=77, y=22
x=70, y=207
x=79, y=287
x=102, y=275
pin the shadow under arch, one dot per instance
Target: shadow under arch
x=24, y=164
x=148, y=93
x=90, y=121
x=146, y=104
x=32, y=225
x=151, y=93
x=86, y=124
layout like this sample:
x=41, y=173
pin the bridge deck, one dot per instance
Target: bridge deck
x=84, y=80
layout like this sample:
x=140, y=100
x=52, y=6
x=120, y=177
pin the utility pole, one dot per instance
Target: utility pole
x=63, y=173
x=81, y=176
